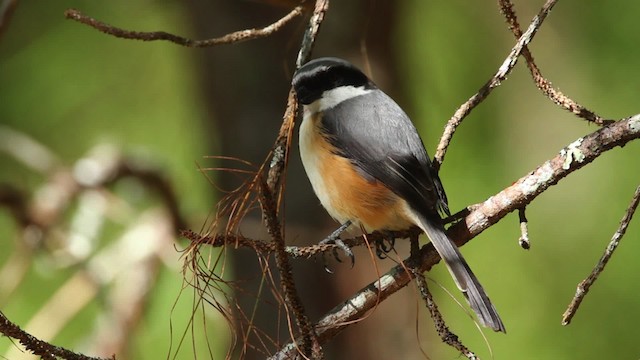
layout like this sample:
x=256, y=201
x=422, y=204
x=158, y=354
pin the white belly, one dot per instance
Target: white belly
x=312, y=158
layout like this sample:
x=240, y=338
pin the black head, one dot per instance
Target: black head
x=320, y=75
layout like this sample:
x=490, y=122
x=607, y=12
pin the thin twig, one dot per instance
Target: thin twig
x=305, y=252
x=232, y=38
x=445, y=334
x=584, y=285
x=570, y=159
x=309, y=343
x=524, y=229
x=282, y=146
x=481, y=216
x=37, y=346
x=506, y=7
x=495, y=81
x=271, y=193
x=311, y=33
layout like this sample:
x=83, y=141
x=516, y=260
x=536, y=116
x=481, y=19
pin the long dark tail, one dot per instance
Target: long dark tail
x=465, y=279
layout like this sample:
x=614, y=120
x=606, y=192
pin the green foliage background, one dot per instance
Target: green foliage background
x=70, y=87
x=451, y=48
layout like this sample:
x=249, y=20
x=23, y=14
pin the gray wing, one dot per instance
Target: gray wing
x=380, y=139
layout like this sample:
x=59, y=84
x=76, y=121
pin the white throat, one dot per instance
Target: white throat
x=331, y=98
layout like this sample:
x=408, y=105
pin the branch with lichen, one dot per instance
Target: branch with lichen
x=479, y=217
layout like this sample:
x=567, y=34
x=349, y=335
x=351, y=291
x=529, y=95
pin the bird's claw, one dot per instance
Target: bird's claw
x=339, y=245
x=382, y=248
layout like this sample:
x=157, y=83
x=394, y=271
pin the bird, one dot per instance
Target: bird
x=369, y=168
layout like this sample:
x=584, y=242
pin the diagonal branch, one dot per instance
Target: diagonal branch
x=286, y=274
x=506, y=7
x=479, y=218
x=495, y=81
x=39, y=347
x=585, y=285
x=445, y=334
x=282, y=146
x=234, y=37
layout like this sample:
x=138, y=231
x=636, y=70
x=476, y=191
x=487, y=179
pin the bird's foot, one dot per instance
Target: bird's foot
x=385, y=244
x=334, y=238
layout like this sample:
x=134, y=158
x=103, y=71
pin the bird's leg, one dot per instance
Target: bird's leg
x=335, y=239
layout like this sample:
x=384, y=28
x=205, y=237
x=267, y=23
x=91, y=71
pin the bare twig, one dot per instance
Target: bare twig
x=311, y=32
x=282, y=146
x=481, y=216
x=271, y=194
x=506, y=7
x=269, y=211
x=495, y=81
x=445, y=334
x=584, y=285
x=267, y=247
x=277, y=159
x=269, y=186
x=231, y=38
x=37, y=346
x=524, y=229
x=570, y=159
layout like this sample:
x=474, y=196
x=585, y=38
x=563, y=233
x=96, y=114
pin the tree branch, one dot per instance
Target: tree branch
x=479, y=218
x=37, y=346
x=585, y=285
x=445, y=334
x=495, y=81
x=544, y=85
x=280, y=151
x=234, y=37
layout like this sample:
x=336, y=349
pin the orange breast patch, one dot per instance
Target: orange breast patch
x=366, y=201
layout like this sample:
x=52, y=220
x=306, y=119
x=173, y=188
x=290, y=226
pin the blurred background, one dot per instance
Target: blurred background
x=106, y=277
